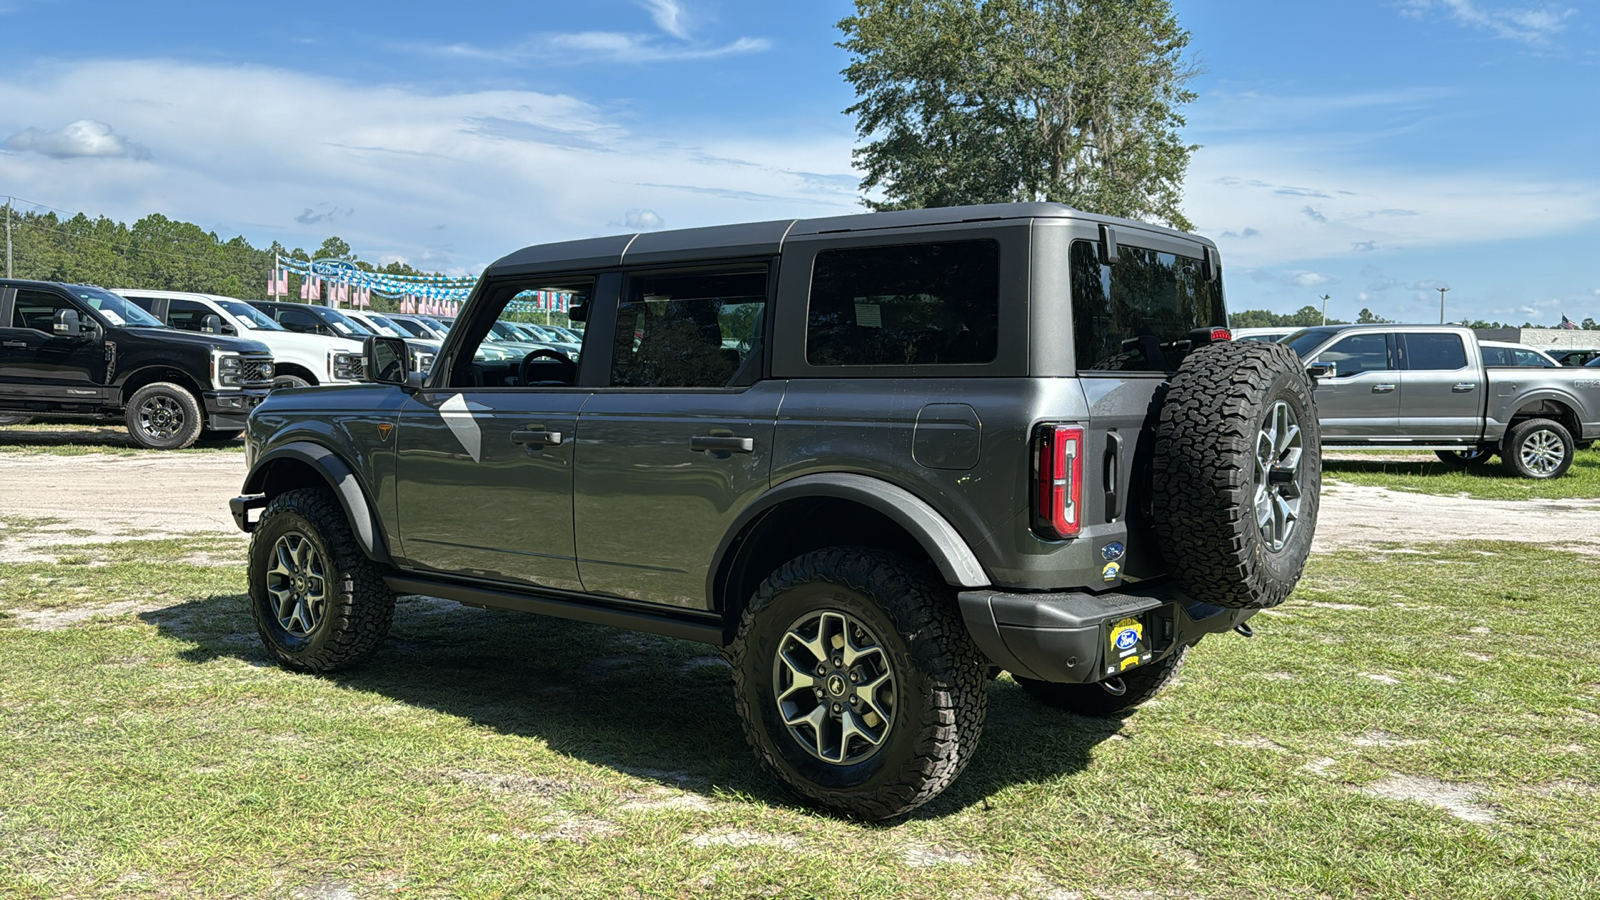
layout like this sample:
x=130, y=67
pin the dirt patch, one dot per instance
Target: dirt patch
x=743, y=838
x=922, y=856
x=522, y=785
x=57, y=619
x=1358, y=516
x=1456, y=799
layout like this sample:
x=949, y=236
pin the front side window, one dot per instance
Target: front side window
x=187, y=314
x=1497, y=356
x=1439, y=352
x=1132, y=315
x=691, y=331
x=1356, y=354
x=1530, y=358
x=299, y=321
x=494, y=356
x=905, y=305
x=37, y=310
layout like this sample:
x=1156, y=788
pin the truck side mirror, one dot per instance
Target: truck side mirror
x=387, y=360
x=66, y=323
x=211, y=323
x=1323, y=370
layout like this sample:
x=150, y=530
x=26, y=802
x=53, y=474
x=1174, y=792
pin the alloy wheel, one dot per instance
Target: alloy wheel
x=297, y=582
x=834, y=687
x=1542, y=452
x=1279, y=449
x=161, y=417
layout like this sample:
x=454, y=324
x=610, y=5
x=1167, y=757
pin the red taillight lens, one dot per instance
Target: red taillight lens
x=1058, y=481
x=1221, y=334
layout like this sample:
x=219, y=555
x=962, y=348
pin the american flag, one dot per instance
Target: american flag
x=1568, y=324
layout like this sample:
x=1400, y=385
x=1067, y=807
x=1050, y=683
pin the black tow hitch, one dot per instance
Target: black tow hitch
x=1244, y=629
x=1114, y=686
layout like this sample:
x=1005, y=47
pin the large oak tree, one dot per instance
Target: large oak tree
x=986, y=101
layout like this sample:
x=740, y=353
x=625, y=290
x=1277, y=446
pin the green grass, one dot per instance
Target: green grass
x=58, y=438
x=154, y=751
x=1422, y=472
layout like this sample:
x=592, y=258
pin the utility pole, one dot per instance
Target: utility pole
x=8, y=237
x=1441, y=304
x=1324, y=309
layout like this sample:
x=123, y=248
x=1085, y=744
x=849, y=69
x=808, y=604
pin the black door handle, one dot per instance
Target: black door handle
x=537, y=438
x=722, y=442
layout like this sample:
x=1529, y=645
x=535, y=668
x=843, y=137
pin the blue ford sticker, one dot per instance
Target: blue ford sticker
x=1111, y=551
x=1126, y=638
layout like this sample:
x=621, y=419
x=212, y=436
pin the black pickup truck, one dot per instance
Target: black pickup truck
x=70, y=350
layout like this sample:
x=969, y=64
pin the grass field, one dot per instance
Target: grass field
x=59, y=438
x=1421, y=471
x=1410, y=724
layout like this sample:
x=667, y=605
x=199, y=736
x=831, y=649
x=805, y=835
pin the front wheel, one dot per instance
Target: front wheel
x=14, y=420
x=1538, y=448
x=319, y=604
x=857, y=683
x=164, y=416
x=289, y=381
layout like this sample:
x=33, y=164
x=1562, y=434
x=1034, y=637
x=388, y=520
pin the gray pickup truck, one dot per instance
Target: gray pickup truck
x=1426, y=387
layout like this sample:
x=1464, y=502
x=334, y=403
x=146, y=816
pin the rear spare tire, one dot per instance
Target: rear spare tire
x=1237, y=473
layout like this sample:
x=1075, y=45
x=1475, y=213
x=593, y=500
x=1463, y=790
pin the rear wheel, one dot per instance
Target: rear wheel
x=1538, y=448
x=164, y=416
x=1138, y=685
x=1460, y=459
x=319, y=603
x=857, y=683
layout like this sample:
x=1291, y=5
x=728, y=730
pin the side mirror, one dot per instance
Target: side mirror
x=66, y=323
x=1323, y=370
x=211, y=323
x=578, y=313
x=387, y=360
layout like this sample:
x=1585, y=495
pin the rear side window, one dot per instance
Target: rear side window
x=905, y=305
x=1128, y=316
x=1434, y=351
x=699, y=330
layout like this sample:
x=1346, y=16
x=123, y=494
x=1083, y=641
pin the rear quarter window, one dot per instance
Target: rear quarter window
x=1129, y=315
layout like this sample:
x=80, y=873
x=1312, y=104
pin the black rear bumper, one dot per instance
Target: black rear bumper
x=1066, y=637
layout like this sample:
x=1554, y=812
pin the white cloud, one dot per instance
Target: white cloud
x=456, y=178
x=83, y=138
x=668, y=15
x=641, y=220
x=1529, y=25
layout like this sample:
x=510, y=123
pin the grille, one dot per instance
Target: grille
x=255, y=371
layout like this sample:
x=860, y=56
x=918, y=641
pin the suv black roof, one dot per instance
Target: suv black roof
x=766, y=238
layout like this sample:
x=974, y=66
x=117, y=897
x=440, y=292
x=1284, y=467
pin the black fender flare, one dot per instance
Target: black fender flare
x=938, y=538
x=341, y=479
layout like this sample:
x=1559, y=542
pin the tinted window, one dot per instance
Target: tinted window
x=1530, y=358
x=297, y=320
x=689, y=330
x=37, y=310
x=906, y=305
x=1356, y=354
x=1434, y=351
x=187, y=314
x=114, y=309
x=1129, y=316
x=1496, y=356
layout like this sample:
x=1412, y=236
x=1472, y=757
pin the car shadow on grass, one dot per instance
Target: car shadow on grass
x=84, y=438
x=654, y=707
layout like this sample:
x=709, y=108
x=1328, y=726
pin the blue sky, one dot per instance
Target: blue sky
x=1371, y=150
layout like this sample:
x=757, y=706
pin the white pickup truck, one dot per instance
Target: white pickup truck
x=1426, y=387
x=300, y=360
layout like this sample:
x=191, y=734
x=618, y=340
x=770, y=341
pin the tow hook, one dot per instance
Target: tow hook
x=1244, y=629
x=1114, y=686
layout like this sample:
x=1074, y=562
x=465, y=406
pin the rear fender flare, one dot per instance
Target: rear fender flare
x=342, y=481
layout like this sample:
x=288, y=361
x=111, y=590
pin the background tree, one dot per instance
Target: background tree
x=986, y=101
x=1368, y=317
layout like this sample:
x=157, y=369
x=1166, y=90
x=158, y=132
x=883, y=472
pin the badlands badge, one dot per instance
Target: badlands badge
x=384, y=428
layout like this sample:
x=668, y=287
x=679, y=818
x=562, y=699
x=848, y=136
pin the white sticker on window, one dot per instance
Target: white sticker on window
x=342, y=328
x=113, y=317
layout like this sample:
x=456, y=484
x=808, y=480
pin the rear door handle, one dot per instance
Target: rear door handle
x=1382, y=388
x=537, y=438
x=15, y=345
x=1464, y=387
x=722, y=442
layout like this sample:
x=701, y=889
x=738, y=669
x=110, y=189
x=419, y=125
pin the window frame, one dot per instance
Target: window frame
x=1403, y=340
x=1390, y=350
x=477, y=316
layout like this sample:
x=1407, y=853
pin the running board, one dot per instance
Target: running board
x=706, y=628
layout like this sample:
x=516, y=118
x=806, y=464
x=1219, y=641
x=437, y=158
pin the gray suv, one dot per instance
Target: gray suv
x=876, y=459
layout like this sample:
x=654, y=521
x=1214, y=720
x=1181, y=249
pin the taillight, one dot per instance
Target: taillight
x=1058, y=481
x=1221, y=334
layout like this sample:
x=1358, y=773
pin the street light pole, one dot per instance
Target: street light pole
x=1441, y=304
x=1324, y=309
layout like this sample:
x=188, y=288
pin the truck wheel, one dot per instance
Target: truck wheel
x=1461, y=459
x=1094, y=700
x=14, y=420
x=289, y=381
x=857, y=683
x=164, y=416
x=319, y=603
x=1237, y=473
x=1537, y=448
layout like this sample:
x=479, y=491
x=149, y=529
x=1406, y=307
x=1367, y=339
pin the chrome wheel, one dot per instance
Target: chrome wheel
x=834, y=687
x=1542, y=451
x=297, y=584
x=161, y=417
x=1278, y=452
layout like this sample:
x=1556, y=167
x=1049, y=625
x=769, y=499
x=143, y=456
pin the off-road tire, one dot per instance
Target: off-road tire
x=164, y=416
x=289, y=381
x=359, y=606
x=940, y=686
x=1462, y=459
x=1206, y=477
x=1093, y=700
x=14, y=420
x=1531, y=446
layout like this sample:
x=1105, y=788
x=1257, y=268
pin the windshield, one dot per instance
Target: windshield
x=386, y=327
x=414, y=329
x=249, y=316
x=435, y=324
x=505, y=332
x=341, y=322
x=116, y=310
